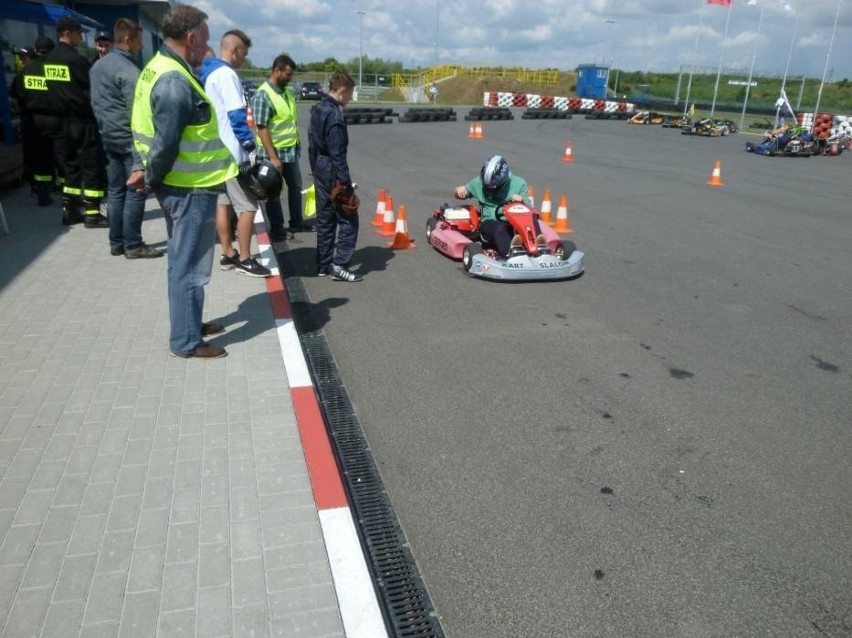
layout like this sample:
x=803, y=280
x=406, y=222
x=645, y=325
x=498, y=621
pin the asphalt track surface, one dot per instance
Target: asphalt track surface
x=660, y=447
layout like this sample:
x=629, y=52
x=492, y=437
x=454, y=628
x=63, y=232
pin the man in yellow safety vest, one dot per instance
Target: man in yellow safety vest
x=176, y=134
x=275, y=114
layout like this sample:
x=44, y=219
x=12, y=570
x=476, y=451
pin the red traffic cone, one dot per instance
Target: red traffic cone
x=562, y=226
x=544, y=214
x=716, y=175
x=569, y=152
x=401, y=240
x=388, y=228
x=379, y=217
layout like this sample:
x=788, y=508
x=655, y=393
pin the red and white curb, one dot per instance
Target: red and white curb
x=359, y=608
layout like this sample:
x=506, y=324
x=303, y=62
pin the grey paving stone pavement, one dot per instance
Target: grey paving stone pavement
x=142, y=494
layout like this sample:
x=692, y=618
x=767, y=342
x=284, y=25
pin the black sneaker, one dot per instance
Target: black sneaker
x=324, y=271
x=341, y=274
x=142, y=251
x=116, y=251
x=229, y=263
x=96, y=221
x=301, y=228
x=252, y=268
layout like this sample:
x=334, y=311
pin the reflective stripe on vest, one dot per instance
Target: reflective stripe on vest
x=202, y=160
x=282, y=126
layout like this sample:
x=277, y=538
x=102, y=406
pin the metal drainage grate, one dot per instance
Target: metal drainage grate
x=405, y=603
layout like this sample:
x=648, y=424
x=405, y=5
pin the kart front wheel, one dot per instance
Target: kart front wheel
x=470, y=251
x=564, y=249
x=431, y=224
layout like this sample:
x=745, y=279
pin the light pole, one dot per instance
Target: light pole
x=609, y=23
x=437, y=24
x=361, y=15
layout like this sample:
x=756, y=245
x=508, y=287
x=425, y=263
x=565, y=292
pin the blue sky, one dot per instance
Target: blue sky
x=648, y=35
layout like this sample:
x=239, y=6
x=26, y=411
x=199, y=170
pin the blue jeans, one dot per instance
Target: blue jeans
x=292, y=176
x=126, y=208
x=191, y=224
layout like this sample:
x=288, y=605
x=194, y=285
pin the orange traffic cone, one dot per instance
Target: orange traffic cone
x=477, y=131
x=379, y=217
x=562, y=226
x=249, y=115
x=471, y=133
x=569, y=152
x=531, y=194
x=388, y=228
x=546, y=207
x=716, y=175
x=401, y=240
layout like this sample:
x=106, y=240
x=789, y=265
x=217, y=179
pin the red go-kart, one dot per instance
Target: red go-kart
x=454, y=231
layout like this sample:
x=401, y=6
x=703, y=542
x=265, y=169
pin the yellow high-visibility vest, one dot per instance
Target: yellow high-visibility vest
x=283, y=127
x=202, y=160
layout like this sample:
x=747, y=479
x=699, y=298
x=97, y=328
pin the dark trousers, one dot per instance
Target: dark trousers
x=292, y=176
x=337, y=233
x=500, y=234
x=78, y=152
x=37, y=150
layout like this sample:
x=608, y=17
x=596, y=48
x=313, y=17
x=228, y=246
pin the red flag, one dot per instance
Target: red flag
x=723, y=3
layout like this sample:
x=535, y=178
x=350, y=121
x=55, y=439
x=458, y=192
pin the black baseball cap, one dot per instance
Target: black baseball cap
x=43, y=44
x=68, y=23
x=103, y=35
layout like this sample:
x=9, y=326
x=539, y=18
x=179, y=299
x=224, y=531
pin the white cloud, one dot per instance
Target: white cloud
x=544, y=33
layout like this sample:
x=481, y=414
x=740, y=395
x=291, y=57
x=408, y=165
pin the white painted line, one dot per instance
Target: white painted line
x=298, y=375
x=356, y=596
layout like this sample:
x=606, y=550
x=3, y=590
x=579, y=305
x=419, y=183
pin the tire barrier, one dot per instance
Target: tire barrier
x=610, y=115
x=489, y=113
x=546, y=114
x=572, y=104
x=822, y=126
x=368, y=115
x=429, y=114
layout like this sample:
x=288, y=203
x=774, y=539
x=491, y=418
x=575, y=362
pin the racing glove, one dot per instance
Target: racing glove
x=344, y=198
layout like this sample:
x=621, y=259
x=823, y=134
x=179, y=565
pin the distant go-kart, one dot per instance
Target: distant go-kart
x=707, y=127
x=454, y=231
x=786, y=141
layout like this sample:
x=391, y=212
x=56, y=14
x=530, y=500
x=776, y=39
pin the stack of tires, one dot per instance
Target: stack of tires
x=368, y=115
x=822, y=126
x=429, y=114
x=482, y=113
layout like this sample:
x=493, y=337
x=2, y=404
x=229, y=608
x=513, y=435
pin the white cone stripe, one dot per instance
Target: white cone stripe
x=359, y=608
x=295, y=364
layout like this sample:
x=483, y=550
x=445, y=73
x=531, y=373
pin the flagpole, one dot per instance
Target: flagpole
x=694, y=55
x=827, y=59
x=753, y=59
x=790, y=52
x=721, y=51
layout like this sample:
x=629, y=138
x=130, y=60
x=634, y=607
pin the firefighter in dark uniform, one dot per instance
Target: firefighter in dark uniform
x=77, y=145
x=29, y=90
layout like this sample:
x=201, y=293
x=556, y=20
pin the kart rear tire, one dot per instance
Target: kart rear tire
x=564, y=249
x=470, y=251
x=431, y=224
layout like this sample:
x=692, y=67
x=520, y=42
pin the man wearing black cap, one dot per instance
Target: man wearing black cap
x=77, y=145
x=29, y=91
x=103, y=45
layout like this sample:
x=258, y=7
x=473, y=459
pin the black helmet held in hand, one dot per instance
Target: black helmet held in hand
x=262, y=181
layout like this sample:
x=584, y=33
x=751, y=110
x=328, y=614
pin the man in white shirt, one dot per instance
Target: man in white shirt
x=223, y=86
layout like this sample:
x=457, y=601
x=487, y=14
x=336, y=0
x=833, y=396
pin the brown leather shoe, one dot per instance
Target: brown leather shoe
x=206, y=351
x=209, y=329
